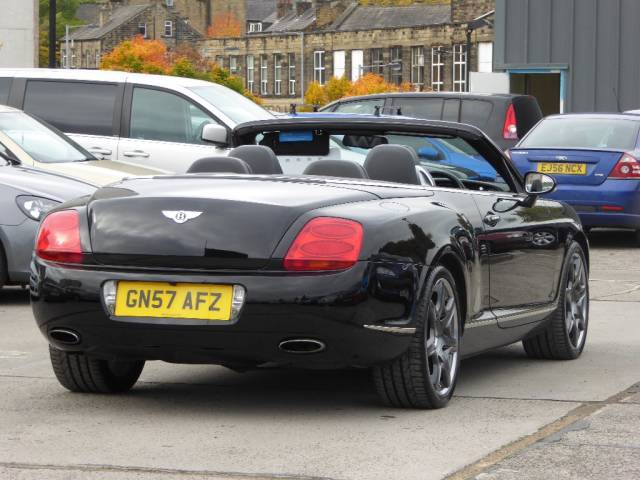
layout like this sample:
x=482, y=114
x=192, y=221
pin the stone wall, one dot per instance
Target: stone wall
x=463, y=11
x=427, y=37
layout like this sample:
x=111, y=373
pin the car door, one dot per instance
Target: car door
x=86, y=111
x=525, y=248
x=162, y=129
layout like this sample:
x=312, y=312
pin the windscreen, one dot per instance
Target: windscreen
x=587, y=133
x=40, y=142
x=237, y=107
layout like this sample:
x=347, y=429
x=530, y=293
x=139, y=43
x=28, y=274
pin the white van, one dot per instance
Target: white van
x=154, y=121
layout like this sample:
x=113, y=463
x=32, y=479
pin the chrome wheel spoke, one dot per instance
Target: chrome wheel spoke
x=576, y=302
x=442, y=337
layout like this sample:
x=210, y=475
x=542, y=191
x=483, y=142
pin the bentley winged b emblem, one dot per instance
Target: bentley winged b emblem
x=180, y=216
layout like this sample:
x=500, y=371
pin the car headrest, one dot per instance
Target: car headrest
x=219, y=165
x=261, y=159
x=392, y=163
x=336, y=168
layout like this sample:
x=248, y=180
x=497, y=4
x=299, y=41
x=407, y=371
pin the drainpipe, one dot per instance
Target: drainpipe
x=52, y=33
x=468, y=58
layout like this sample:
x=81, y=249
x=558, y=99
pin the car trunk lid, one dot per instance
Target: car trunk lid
x=202, y=223
x=598, y=164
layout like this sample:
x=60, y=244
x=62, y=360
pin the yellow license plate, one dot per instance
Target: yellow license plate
x=563, y=168
x=174, y=300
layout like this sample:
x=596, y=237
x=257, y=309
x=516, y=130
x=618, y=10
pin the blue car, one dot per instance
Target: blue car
x=595, y=161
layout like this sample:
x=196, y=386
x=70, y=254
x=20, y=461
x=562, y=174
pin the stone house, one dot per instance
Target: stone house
x=305, y=41
x=112, y=21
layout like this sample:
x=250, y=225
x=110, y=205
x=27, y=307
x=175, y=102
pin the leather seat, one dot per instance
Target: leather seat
x=219, y=165
x=392, y=163
x=336, y=168
x=261, y=159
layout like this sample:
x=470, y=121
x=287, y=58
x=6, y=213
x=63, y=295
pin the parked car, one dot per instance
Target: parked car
x=29, y=142
x=505, y=118
x=595, y=160
x=346, y=265
x=26, y=194
x=149, y=120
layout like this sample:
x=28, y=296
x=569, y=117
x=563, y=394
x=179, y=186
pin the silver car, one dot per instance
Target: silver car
x=25, y=195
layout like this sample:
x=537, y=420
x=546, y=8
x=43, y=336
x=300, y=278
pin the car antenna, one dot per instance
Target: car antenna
x=293, y=109
x=376, y=112
x=399, y=112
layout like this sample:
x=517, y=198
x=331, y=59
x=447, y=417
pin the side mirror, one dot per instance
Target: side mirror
x=536, y=184
x=216, y=134
x=428, y=153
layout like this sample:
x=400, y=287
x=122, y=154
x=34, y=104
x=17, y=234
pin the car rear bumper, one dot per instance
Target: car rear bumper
x=614, y=203
x=353, y=313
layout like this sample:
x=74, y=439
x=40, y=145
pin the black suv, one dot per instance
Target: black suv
x=505, y=118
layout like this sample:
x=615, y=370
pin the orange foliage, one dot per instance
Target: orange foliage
x=225, y=25
x=371, y=83
x=137, y=55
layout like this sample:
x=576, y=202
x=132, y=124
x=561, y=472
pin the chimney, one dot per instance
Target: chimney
x=302, y=6
x=327, y=11
x=283, y=8
x=104, y=12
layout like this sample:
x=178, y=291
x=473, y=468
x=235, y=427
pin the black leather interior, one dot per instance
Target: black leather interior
x=219, y=165
x=336, y=168
x=392, y=163
x=261, y=159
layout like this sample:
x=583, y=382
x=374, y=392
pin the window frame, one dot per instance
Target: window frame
x=250, y=59
x=264, y=75
x=395, y=76
x=277, y=74
x=319, y=69
x=459, y=76
x=376, y=56
x=417, y=66
x=437, y=69
x=291, y=73
x=169, y=24
x=233, y=64
x=142, y=27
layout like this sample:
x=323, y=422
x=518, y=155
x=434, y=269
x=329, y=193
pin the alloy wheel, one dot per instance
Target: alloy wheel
x=576, y=302
x=442, y=337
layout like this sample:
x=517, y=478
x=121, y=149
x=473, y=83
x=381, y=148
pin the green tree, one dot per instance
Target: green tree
x=65, y=15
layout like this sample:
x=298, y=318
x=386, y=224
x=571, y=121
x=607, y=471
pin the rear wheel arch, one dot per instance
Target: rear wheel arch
x=449, y=259
x=4, y=271
x=581, y=238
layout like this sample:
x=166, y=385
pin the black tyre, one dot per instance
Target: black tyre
x=566, y=332
x=79, y=373
x=638, y=238
x=425, y=375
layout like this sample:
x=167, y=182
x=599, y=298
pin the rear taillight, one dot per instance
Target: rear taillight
x=59, y=238
x=510, y=128
x=325, y=243
x=627, y=167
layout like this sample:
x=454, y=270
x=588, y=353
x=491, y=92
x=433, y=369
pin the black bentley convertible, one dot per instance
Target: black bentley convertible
x=371, y=256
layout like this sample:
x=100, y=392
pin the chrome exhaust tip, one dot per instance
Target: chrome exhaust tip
x=64, y=336
x=301, y=346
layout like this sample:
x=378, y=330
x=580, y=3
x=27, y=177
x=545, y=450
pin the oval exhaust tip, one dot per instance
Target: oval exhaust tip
x=301, y=346
x=62, y=335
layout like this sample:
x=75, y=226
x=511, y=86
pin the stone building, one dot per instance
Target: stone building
x=111, y=21
x=423, y=44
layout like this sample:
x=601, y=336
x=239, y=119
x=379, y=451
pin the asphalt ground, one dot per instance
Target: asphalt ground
x=511, y=418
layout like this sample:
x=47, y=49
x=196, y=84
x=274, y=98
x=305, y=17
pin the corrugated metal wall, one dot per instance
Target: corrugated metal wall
x=596, y=41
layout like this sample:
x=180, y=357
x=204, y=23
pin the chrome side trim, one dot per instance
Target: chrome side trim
x=400, y=330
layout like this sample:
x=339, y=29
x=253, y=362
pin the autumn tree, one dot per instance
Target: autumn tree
x=137, y=55
x=371, y=83
x=151, y=56
x=225, y=25
x=337, y=88
x=315, y=95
